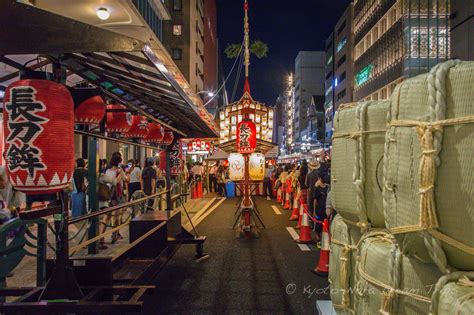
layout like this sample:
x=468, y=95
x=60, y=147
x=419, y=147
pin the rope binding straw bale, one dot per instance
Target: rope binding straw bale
x=389, y=292
x=430, y=137
x=463, y=279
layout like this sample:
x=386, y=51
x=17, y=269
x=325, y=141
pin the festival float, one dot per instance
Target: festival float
x=246, y=129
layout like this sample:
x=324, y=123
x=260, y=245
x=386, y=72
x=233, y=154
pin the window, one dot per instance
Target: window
x=341, y=61
x=341, y=28
x=177, y=29
x=177, y=53
x=342, y=77
x=341, y=44
x=177, y=5
x=341, y=94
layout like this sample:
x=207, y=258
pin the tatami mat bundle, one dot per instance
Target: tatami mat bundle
x=403, y=185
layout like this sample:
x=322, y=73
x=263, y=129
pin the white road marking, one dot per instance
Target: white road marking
x=202, y=217
x=295, y=236
x=277, y=211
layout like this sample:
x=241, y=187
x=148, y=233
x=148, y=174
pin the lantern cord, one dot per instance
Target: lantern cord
x=227, y=78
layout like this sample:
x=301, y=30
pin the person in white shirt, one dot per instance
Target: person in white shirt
x=197, y=170
x=212, y=177
x=134, y=178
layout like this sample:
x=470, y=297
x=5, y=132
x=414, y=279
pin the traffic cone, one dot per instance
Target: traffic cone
x=287, y=201
x=193, y=192
x=295, y=213
x=305, y=231
x=300, y=215
x=322, y=269
x=199, y=189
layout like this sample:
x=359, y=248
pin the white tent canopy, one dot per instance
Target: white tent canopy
x=218, y=155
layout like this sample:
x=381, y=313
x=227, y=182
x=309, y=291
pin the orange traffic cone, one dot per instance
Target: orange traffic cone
x=287, y=201
x=305, y=231
x=322, y=269
x=295, y=213
x=300, y=215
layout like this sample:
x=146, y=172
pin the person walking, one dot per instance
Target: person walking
x=213, y=177
x=303, y=189
x=78, y=196
x=267, y=182
x=220, y=175
x=310, y=183
x=149, y=181
x=134, y=178
x=320, y=195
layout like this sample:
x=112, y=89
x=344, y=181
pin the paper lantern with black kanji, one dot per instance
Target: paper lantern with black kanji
x=246, y=136
x=38, y=122
x=168, y=138
x=156, y=133
x=118, y=119
x=89, y=107
x=139, y=128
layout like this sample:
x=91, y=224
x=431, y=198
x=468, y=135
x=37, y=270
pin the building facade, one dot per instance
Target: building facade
x=462, y=29
x=278, y=120
x=396, y=39
x=210, y=52
x=309, y=81
x=288, y=100
x=339, y=84
x=183, y=37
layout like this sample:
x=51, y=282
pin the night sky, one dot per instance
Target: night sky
x=287, y=26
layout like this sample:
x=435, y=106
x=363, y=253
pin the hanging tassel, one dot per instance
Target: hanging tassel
x=343, y=268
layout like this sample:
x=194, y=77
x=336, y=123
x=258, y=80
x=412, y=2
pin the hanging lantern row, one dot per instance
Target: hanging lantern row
x=91, y=109
x=198, y=145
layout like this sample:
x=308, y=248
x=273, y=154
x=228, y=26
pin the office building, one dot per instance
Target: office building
x=210, y=52
x=183, y=37
x=309, y=81
x=462, y=29
x=396, y=39
x=278, y=120
x=339, y=84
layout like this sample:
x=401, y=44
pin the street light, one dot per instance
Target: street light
x=208, y=93
x=103, y=14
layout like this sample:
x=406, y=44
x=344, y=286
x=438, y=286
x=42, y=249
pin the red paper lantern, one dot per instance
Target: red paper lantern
x=89, y=107
x=119, y=121
x=156, y=133
x=38, y=122
x=246, y=136
x=190, y=146
x=139, y=128
x=168, y=138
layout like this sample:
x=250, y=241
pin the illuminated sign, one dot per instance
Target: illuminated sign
x=363, y=75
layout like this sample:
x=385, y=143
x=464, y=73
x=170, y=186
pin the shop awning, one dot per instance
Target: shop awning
x=126, y=69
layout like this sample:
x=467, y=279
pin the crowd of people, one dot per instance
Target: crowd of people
x=217, y=175
x=308, y=181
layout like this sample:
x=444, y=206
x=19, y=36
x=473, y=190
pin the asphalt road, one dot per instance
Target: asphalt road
x=269, y=275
